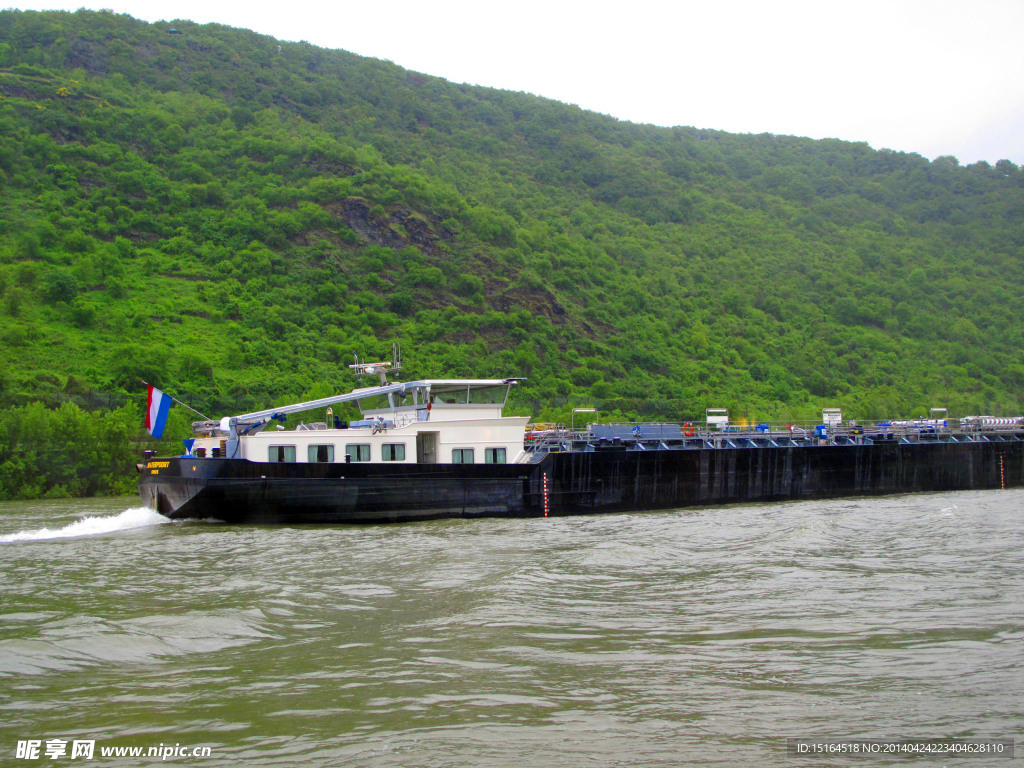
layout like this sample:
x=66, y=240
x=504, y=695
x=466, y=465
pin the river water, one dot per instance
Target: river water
x=691, y=637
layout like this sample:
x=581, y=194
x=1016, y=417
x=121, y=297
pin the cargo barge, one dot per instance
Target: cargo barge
x=442, y=448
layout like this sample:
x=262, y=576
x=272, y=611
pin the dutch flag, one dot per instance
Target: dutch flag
x=156, y=413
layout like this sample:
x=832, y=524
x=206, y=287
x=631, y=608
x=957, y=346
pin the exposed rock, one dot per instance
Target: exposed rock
x=396, y=229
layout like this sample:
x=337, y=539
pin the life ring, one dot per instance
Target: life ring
x=687, y=429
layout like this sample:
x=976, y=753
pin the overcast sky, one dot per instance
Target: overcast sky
x=936, y=77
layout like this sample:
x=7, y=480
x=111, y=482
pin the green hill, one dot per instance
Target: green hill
x=231, y=217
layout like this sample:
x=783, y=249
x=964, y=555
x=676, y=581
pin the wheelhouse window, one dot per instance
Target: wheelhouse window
x=447, y=394
x=493, y=394
x=320, y=454
x=392, y=452
x=462, y=456
x=281, y=453
x=359, y=452
x=494, y=456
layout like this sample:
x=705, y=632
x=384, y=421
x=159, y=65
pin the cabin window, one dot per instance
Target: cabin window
x=462, y=456
x=358, y=452
x=494, y=455
x=495, y=394
x=445, y=394
x=392, y=452
x=281, y=453
x=320, y=454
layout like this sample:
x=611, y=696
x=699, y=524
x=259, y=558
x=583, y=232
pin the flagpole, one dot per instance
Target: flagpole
x=197, y=413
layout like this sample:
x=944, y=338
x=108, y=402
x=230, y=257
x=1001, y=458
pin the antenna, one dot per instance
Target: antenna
x=381, y=368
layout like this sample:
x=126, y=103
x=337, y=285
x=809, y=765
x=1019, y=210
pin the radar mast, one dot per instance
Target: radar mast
x=381, y=368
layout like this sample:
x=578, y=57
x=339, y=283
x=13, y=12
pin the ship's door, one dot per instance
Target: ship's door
x=426, y=448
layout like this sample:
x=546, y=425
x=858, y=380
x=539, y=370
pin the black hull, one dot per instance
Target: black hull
x=238, y=491
x=597, y=482
x=576, y=482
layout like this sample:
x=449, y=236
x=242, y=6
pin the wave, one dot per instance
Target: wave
x=136, y=517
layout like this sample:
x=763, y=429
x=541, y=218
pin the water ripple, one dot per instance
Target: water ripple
x=692, y=637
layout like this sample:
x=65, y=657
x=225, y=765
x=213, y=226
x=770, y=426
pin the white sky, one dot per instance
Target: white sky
x=936, y=77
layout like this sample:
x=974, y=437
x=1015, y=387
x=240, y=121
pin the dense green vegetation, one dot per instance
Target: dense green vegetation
x=231, y=217
x=67, y=451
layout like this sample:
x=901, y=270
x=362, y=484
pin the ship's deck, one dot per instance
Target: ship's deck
x=661, y=436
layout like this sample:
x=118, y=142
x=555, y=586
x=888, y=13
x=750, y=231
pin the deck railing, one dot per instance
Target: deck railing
x=544, y=438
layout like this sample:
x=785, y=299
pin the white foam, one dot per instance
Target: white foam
x=136, y=517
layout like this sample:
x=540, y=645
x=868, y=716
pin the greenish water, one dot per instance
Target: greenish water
x=698, y=637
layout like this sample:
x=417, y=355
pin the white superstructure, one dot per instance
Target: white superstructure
x=431, y=421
